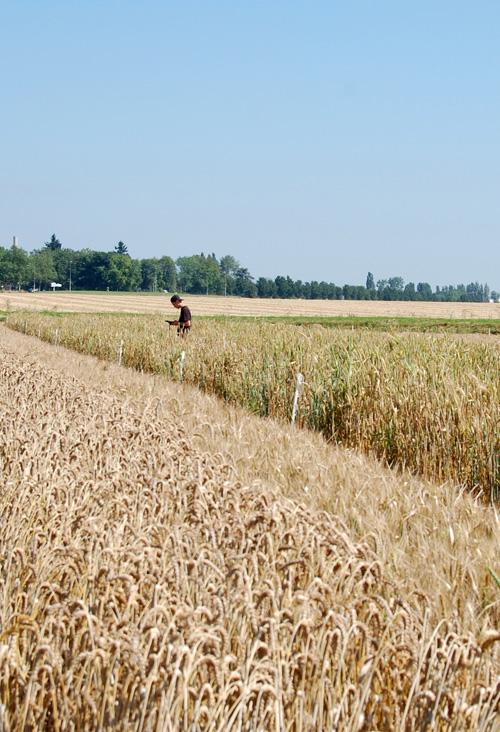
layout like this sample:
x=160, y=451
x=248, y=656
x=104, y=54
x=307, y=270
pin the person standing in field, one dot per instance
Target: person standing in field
x=184, y=322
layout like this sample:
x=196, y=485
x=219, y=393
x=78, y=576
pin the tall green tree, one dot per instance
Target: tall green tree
x=150, y=274
x=158, y=274
x=266, y=287
x=91, y=270
x=244, y=284
x=13, y=267
x=424, y=291
x=124, y=273
x=370, y=282
x=228, y=267
x=121, y=248
x=53, y=244
x=66, y=265
x=285, y=286
x=396, y=283
x=168, y=274
x=409, y=291
x=41, y=268
x=199, y=274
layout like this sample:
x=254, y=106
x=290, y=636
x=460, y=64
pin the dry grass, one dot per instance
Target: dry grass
x=217, y=305
x=430, y=404
x=144, y=588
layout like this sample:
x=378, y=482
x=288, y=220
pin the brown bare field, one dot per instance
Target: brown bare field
x=169, y=562
x=218, y=305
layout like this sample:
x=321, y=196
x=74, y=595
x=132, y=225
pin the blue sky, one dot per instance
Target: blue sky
x=316, y=139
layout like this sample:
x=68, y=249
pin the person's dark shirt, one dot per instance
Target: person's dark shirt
x=185, y=315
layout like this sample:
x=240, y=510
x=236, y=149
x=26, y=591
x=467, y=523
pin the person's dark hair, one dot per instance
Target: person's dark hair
x=175, y=298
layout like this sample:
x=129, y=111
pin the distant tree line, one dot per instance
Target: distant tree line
x=87, y=269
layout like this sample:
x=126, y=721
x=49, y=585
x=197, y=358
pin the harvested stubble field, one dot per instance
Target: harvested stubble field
x=430, y=404
x=103, y=302
x=144, y=587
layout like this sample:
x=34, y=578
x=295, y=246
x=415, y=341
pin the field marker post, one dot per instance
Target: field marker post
x=181, y=364
x=299, y=383
x=120, y=353
x=56, y=337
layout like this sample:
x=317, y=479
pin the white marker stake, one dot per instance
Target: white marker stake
x=181, y=364
x=120, y=353
x=298, y=391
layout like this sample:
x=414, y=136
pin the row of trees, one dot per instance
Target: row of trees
x=391, y=289
x=85, y=269
x=88, y=269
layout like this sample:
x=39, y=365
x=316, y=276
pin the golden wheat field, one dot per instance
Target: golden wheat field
x=427, y=403
x=217, y=305
x=167, y=563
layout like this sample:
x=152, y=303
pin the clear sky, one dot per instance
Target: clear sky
x=320, y=139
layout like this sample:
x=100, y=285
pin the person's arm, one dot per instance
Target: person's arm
x=185, y=319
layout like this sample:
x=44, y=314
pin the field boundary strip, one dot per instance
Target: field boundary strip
x=219, y=305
